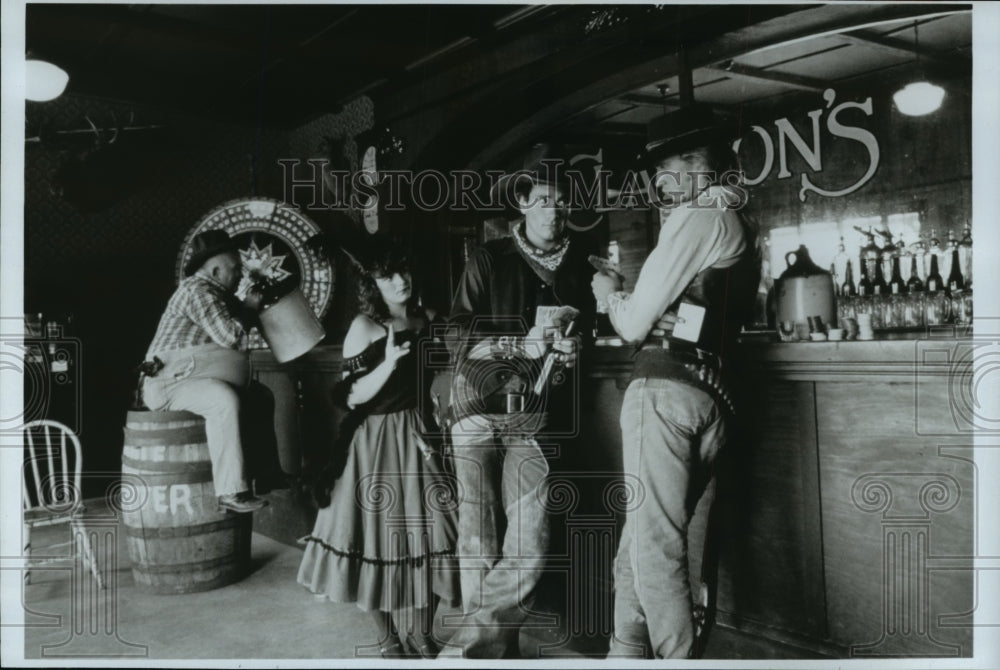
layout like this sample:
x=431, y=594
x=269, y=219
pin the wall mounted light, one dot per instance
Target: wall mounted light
x=43, y=81
x=919, y=97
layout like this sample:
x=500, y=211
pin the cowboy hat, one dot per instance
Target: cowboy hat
x=205, y=245
x=682, y=130
x=552, y=165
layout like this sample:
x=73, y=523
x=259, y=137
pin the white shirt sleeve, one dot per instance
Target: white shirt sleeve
x=691, y=240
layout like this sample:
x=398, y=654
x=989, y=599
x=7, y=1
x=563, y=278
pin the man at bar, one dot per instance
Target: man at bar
x=694, y=292
x=201, y=343
x=500, y=407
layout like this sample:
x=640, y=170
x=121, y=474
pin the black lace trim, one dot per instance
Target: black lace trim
x=415, y=561
x=361, y=362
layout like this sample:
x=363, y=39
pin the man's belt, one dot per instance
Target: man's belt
x=695, y=367
x=504, y=403
x=681, y=350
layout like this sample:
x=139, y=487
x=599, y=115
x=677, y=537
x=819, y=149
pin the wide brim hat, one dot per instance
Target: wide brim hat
x=552, y=164
x=205, y=245
x=683, y=130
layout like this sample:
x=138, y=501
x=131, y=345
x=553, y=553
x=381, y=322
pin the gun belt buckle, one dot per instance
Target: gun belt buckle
x=514, y=402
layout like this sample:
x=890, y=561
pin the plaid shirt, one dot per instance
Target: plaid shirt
x=198, y=313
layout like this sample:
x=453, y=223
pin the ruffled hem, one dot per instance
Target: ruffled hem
x=379, y=584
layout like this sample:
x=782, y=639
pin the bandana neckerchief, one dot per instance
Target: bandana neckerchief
x=544, y=263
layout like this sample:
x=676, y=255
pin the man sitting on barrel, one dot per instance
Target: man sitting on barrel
x=198, y=362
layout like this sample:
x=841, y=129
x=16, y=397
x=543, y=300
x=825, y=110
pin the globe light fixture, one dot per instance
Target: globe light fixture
x=43, y=81
x=920, y=97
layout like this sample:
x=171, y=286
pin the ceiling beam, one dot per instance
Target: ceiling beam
x=795, y=81
x=897, y=46
x=518, y=15
x=648, y=100
x=610, y=128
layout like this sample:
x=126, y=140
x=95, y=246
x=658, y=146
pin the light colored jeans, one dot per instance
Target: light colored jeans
x=671, y=433
x=206, y=380
x=503, y=531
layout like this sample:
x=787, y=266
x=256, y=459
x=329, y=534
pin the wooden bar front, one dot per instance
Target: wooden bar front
x=844, y=514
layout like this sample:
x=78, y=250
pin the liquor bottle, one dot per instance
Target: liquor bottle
x=848, y=289
x=878, y=284
x=835, y=279
x=764, y=304
x=869, y=255
x=955, y=280
x=934, y=243
x=919, y=251
x=925, y=265
x=934, y=281
x=896, y=284
x=887, y=252
x=945, y=255
x=965, y=254
x=840, y=261
x=913, y=284
x=865, y=283
x=904, y=253
x=602, y=322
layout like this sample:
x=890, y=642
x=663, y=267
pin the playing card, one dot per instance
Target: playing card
x=555, y=316
x=690, y=328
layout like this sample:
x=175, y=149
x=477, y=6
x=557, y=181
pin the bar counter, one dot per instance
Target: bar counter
x=844, y=514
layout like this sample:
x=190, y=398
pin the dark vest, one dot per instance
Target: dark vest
x=727, y=294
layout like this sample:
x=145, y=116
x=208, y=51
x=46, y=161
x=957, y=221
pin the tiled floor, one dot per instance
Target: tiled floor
x=267, y=615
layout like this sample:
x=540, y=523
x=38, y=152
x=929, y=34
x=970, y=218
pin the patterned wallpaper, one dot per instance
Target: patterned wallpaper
x=313, y=139
x=101, y=240
x=332, y=136
x=141, y=192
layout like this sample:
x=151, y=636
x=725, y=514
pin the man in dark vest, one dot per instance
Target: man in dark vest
x=694, y=292
x=512, y=310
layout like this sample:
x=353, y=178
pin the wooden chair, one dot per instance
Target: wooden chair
x=57, y=494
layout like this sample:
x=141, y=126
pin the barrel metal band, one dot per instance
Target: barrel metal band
x=160, y=416
x=168, y=532
x=199, y=476
x=185, y=568
x=165, y=466
x=167, y=437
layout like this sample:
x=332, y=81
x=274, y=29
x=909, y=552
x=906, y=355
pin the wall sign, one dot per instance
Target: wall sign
x=832, y=128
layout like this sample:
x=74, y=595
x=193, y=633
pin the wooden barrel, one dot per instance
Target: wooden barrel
x=177, y=538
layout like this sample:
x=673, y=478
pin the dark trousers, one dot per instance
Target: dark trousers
x=260, y=446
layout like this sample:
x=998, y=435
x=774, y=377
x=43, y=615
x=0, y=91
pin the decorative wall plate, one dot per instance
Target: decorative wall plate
x=369, y=165
x=277, y=228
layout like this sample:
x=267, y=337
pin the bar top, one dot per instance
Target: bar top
x=889, y=357
x=905, y=357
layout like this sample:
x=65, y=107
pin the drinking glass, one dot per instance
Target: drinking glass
x=876, y=310
x=893, y=312
x=936, y=308
x=913, y=310
x=845, y=309
x=961, y=307
x=786, y=331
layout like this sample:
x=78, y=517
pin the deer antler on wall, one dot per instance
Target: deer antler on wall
x=100, y=166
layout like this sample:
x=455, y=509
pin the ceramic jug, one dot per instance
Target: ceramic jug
x=803, y=290
x=290, y=327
